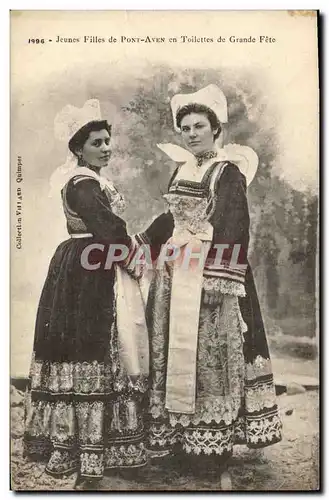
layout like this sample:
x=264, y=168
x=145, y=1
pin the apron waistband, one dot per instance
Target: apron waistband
x=81, y=235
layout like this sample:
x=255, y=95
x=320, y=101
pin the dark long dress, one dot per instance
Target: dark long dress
x=234, y=391
x=82, y=413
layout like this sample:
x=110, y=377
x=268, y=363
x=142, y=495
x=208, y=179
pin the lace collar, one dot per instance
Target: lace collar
x=244, y=157
x=208, y=155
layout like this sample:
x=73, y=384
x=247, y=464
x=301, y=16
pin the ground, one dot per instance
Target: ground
x=290, y=465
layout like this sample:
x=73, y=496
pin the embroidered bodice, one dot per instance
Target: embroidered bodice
x=188, y=202
x=113, y=200
x=116, y=200
x=189, y=213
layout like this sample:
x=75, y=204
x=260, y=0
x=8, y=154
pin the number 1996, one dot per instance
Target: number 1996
x=36, y=40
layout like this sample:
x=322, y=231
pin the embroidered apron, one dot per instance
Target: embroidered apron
x=193, y=234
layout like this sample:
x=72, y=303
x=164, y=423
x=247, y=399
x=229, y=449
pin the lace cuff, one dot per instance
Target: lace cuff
x=217, y=286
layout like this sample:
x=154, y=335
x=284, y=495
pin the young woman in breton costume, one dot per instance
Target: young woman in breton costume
x=89, y=372
x=210, y=370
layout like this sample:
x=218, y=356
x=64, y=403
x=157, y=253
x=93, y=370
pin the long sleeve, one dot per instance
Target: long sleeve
x=229, y=215
x=91, y=204
x=158, y=232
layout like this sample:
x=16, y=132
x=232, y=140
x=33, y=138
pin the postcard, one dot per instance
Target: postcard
x=164, y=250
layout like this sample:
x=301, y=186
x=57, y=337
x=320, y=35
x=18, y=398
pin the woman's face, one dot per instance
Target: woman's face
x=197, y=133
x=96, y=150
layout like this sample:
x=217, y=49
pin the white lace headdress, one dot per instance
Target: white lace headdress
x=66, y=124
x=210, y=96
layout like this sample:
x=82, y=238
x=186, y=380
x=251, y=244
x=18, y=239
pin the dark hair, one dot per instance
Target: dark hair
x=80, y=137
x=199, y=108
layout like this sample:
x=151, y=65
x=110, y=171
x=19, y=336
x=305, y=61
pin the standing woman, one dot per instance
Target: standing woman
x=211, y=377
x=89, y=372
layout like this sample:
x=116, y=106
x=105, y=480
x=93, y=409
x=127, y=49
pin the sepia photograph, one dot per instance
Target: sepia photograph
x=164, y=217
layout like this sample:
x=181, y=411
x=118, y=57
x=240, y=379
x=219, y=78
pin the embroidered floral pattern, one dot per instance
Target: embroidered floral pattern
x=212, y=410
x=90, y=416
x=264, y=430
x=93, y=428
x=240, y=430
x=92, y=464
x=61, y=418
x=217, y=440
x=162, y=436
x=62, y=428
x=258, y=368
x=235, y=401
x=220, y=356
x=117, y=201
x=219, y=286
x=220, y=369
x=83, y=377
x=229, y=391
x=261, y=395
x=189, y=213
x=79, y=377
x=131, y=416
x=124, y=417
x=62, y=462
x=51, y=420
x=131, y=455
x=159, y=328
x=55, y=421
x=199, y=441
x=260, y=432
x=74, y=222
